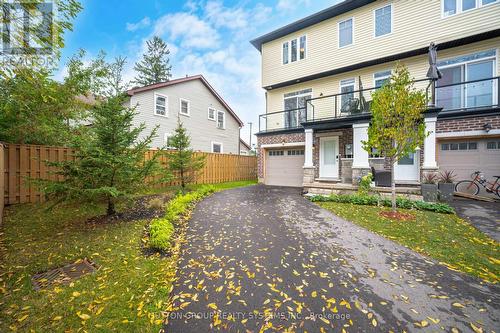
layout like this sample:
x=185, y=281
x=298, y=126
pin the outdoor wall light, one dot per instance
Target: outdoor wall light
x=487, y=127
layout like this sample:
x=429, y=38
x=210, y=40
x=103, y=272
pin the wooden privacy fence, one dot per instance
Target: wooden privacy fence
x=21, y=162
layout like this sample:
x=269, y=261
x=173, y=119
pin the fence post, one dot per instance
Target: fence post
x=2, y=181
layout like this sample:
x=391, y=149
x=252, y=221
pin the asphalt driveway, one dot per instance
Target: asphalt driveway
x=264, y=259
x=485, y=216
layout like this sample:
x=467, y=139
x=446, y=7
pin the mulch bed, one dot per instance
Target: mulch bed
x=141, y=210
x=398, y=216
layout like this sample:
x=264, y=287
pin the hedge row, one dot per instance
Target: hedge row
x=373, y=200
x=162, y=229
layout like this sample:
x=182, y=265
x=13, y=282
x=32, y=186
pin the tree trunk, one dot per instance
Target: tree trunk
x=393, y=186
x=183, y=183
x=111, y=207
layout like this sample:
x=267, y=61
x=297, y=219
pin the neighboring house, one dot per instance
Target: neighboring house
x=319, y=73
x=245, y=148
x=212, y=125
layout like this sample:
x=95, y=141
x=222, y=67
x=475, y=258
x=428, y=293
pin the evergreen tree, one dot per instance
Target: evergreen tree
x=155, y=64
x=182, y=160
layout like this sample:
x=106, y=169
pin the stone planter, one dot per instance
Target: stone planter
x=430, y=192
x=446, y=191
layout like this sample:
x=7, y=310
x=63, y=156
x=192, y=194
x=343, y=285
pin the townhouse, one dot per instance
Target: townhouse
x=319, y=72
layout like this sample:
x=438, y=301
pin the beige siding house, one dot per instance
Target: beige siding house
x=211, y=123
x=319, y=73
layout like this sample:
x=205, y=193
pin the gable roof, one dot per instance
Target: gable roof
x=200, y=77
x=320, y=16
x=243, y=142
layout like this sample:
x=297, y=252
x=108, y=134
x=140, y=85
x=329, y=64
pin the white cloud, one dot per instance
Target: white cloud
x=191, y=6
x=291, y=4
x=145, y=22
x=188, y=29
x=220, y=16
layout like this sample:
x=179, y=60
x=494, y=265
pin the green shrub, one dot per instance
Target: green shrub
x=161, y=230
x=365, y=184
x=372, y=200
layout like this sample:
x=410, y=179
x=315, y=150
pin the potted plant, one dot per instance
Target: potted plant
x=429, y=187
x=446, y=186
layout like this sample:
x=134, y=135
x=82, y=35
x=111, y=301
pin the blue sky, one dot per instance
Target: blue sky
x=209, y=37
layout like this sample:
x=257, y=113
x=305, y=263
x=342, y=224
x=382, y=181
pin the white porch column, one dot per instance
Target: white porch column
x=430, y=144
x=308, y=163
x=360, y=158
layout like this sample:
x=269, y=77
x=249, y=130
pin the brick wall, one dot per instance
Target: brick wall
x=273, y=139
x=467, y=124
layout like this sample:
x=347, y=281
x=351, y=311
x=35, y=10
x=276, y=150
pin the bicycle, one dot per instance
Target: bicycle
x=472, y=186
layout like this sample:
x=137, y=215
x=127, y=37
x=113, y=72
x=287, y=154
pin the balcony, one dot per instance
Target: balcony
x=453, y=98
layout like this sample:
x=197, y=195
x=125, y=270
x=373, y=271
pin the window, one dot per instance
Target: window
x=298, y=152
x=346, y=89
x=383, y=21
x=184, y=107
x=302, y=49
x=295, y=103
x=285, y=53
x=221, y=121
x=348, y=150
x=493, y=145
x=161, y=105
x=168, y=140
x=381, y=77
x=294, y=50
x=211, y=114
x=243, y=152
x=452, y=7
x=459, y=146
x=216, y=147
x=345, y=32
x=276, y=153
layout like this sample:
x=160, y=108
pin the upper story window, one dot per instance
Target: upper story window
x=221, y=120
x=294, y=50
x=161, y=105
x=383, y=21
x=346, y=32
x=380, y=78
x=184, y=107
x=452, y=7
x=211, y=114
x=347, y=90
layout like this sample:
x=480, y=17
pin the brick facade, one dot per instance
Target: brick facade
x=467, y=124
x=274, y=139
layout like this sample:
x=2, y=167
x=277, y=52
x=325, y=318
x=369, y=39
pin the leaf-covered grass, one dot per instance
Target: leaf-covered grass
x=444, y=237
x=127, y=294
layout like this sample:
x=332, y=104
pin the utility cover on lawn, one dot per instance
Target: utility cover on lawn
x=63, y=275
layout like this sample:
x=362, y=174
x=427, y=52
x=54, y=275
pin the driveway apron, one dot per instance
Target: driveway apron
x=264, y=259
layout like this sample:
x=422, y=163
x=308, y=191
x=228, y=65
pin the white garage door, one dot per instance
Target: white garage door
x=466, y=156
x=284, y=167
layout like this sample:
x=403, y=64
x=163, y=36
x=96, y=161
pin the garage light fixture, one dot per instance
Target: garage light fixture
x=487, y=127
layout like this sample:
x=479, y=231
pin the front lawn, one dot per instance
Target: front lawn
x=127, y=294
x=444, y=237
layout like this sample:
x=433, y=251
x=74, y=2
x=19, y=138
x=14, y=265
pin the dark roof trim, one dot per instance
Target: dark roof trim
x=243, y=142
x=394, y=57
x=281, y=131
x=320, y=16
x=200, y=77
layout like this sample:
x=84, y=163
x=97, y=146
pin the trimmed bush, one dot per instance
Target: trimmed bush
x=372, y=200
x=162, y=229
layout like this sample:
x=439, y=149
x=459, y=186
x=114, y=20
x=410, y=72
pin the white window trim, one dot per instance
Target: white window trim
x=290, y=50
x=338, y=33
x=459, y=10
x=383, y=70
x=345, y=85
x=208, y=113
x=216, y=143
x=188, y=114
x=166, y=136
x=375, y=21
x=166, y=105
x=223, y=119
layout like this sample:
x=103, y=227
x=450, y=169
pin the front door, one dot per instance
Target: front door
x=406, y=168
x=329, y=157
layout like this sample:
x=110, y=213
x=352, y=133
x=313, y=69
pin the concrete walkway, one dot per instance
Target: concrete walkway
x=264, y=259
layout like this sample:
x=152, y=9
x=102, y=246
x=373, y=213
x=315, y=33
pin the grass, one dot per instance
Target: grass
x=127, y=294
x=444, y=237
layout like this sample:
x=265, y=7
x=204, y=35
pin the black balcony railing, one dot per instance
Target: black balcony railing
x=451, y=97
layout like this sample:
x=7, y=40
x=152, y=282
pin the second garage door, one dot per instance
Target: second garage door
x=284, y=167
x=466, y=156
